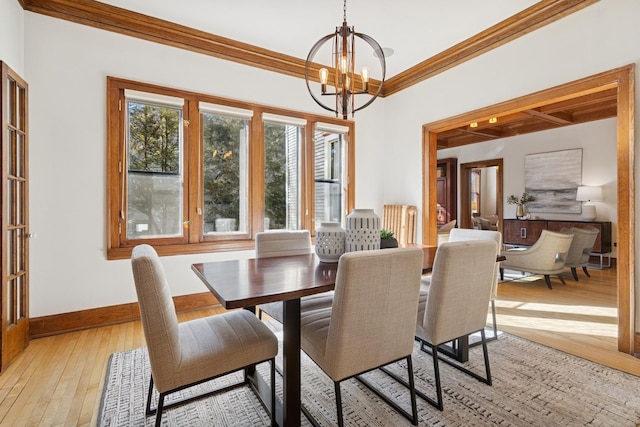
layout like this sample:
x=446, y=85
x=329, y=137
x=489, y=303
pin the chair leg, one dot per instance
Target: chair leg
x=338, y=404
x=159, y=410
x=548, y=280
x=561, y=279
x=574, y=273
x=501, y=274
x=148, y=410
x=436, y=371
x=273, y=393
x=412, y=390
x=585, y=271
x=495, y=320
x=486, y=357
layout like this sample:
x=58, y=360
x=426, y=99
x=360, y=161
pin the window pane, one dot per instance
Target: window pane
x=154, y=179
x=225, y=173
x=328, y=167
x=281, y=175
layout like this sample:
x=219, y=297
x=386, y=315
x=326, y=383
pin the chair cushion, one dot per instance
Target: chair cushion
x=215, y=345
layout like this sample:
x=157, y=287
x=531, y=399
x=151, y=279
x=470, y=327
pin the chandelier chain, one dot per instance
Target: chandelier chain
x=344, y=11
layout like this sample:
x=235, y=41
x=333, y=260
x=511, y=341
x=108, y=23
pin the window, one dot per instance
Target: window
x=190, y=172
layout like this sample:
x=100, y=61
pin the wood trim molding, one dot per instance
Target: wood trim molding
x=104, y=316
x=530, y=19
x=623, y=79
x=123, y=21
x=637, y=346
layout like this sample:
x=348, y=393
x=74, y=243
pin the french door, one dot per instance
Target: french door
x=14, y=262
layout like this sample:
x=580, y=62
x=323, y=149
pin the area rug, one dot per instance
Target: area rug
x=533, y=385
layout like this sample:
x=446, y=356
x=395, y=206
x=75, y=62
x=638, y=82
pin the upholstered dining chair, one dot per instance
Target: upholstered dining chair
x=288, y=243
x=546, y=256
x=372, y=321
x=465, y=234
x=580, y=249
x=184, y=354
x=444, y=231
x=458, y=295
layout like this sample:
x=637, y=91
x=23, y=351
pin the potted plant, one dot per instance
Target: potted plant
x=387, y=240
x=520, y=202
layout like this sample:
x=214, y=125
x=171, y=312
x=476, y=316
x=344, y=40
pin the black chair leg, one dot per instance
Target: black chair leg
x=574, y=273
x=412, y=390
x=148, y=410
x=486, y=357
x=436, y=372
x=338, y=404
x=501, y=274
x=159, y=410
x=547, y=279
x=273, y=393
x=585, y=271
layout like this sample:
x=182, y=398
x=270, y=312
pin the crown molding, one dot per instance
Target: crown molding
x=123, y=21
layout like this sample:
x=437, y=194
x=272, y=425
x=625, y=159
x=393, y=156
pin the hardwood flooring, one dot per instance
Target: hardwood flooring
x=58, y=380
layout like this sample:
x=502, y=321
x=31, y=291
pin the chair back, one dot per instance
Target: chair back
x=465, y=234
x=461, y=282
x=157, y=313
x=581, y=245
x=374, y=310
x=551, y=250
x=283, y=243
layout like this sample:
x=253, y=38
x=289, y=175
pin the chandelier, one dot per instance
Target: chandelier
x=340, y=81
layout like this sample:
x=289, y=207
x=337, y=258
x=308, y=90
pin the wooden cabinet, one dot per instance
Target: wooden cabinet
x=446, y=189
x=517, y=232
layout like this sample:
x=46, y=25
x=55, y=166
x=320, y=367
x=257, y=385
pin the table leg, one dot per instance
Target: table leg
x=291, y=362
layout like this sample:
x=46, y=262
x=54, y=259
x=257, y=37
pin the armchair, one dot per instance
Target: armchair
x=547, y=256
x=581, y=247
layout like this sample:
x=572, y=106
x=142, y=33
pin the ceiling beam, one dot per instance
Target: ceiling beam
x=566, y=120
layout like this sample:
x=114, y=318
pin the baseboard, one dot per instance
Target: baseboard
x=103, y=316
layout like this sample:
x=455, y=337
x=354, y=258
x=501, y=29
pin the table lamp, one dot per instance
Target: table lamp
x=589, y=194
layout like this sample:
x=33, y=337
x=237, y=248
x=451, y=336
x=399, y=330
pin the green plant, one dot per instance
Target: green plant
x=386, y=234
x=524, y=199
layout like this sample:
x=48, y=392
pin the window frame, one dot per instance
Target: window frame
x=194, y=240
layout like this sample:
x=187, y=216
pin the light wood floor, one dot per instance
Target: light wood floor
x=58, y=380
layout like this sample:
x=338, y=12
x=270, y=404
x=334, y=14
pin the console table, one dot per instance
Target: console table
x=526, y=232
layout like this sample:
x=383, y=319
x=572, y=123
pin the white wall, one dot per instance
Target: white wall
x=597, y=141
x=67, y=66
x=595, y=39
x=12, y=35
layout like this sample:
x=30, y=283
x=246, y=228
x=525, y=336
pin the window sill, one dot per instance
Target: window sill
x=186, y=249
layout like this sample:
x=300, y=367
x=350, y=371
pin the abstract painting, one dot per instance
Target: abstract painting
x=553, y=178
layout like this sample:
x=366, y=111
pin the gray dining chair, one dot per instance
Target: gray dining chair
x=185, y=354
x=371, y=322
x=458, y=295
x=288, y=243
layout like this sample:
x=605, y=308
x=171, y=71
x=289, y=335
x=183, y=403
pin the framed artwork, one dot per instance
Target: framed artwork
x=553, y=178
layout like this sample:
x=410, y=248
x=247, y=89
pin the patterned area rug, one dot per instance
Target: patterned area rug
x=533, y=385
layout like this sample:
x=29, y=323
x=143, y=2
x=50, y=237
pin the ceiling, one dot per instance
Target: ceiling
x=414, y=29
x=427, y=37
x=554, y=114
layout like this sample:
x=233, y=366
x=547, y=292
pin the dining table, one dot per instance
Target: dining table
x=245, y=283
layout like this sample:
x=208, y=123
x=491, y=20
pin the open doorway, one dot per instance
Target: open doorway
x=621, y=83
x=481, y=194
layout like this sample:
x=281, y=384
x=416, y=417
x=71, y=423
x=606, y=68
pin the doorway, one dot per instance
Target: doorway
x=622, y=82
x=481, y=192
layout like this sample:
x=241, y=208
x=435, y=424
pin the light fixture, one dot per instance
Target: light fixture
x=340, y=81
x=473, y=125
x=589, y=194
x=493, y=120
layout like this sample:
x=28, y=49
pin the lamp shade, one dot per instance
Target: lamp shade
x=589, y=194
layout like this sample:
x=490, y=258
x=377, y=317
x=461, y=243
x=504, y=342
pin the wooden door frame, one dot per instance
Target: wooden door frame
x=465, y=180
x=623, y=79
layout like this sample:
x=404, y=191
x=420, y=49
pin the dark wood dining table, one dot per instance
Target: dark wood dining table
x=250, y=282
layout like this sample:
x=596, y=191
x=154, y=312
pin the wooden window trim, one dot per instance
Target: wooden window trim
x=119, y=248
